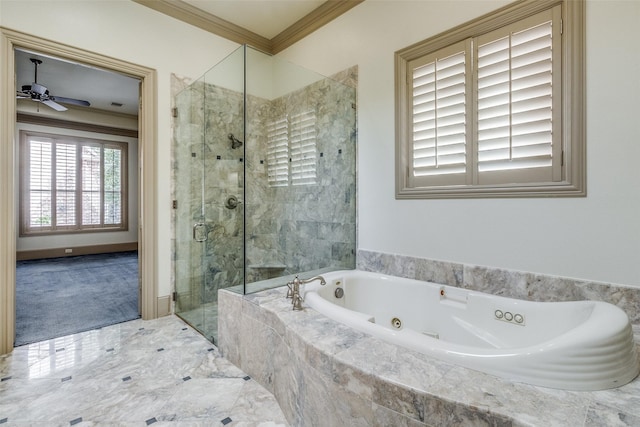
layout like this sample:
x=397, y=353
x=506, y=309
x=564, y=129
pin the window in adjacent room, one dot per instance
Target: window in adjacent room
x=72, y=184
x=494, y=108
x=292, y=150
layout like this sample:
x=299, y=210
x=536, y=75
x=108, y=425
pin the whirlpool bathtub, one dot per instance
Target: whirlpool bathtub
x=579, y=345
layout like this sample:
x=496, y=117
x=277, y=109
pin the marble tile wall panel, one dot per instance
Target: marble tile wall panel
x=288, y=226
x=222, y=262
x=445, y=273
x=324, y=373
x=507, y=283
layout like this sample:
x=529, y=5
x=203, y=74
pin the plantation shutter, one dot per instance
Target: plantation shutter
x=40, y=154
x=494, y=108
x=516, y=115
x=72, y=184
x=278, y=152
x=439, y=112
x=65, y=184
x=91, y=185
x=113, y=188
x=303, y=148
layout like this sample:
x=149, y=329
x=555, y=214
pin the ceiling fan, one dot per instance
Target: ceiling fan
x=39, y=93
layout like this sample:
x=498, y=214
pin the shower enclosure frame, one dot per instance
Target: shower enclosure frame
x=264, y=213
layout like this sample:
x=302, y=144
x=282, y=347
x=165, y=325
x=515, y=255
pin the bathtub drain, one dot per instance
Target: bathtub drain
x=396, y=323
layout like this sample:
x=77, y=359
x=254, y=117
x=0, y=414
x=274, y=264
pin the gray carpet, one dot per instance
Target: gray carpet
x=62, y=296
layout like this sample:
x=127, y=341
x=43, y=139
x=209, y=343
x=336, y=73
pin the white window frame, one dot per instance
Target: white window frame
x=77, y=226
x=566, y=176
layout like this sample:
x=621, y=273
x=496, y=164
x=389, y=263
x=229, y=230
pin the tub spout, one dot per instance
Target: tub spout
x=320, y=278
x=294, y=290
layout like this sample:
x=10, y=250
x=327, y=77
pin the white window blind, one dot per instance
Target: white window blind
x=303, y=148
x=513, y=109
x=515, y=113
x=278, y=152
x=71, y=185
x=113, y=190
x=439, y=116
x=91, y=185
x=65, y=178
x=40, y=184
x=291, y=150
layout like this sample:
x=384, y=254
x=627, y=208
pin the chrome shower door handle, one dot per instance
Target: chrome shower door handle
x=200, y=232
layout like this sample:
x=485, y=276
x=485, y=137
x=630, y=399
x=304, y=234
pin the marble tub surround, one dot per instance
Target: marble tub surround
x=507, y=283
x=324, y=373
x=138, y=373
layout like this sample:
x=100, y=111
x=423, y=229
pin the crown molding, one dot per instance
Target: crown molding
x=320, y=16
x=185, y=12
x=189, y=14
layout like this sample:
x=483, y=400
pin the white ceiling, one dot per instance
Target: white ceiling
x=102, y=88
x=70, y=80
x=267, y=18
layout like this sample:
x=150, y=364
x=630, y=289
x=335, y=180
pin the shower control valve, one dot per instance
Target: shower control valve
x=232, y=202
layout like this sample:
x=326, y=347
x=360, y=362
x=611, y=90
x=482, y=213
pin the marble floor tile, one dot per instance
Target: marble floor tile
x=138, y=373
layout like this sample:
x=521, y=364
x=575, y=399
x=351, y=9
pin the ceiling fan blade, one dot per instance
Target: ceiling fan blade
x=39, y=89
x=22, y=95
x=70, y=101
x=54, y=105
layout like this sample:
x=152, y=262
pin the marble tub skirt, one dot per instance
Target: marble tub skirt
x=324, y=373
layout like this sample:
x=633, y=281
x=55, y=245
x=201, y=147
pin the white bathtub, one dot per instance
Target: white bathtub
x=581, y=345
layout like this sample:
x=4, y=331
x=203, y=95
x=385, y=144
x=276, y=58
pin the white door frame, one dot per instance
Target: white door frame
x=147, y=140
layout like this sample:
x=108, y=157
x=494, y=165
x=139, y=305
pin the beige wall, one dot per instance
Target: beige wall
x=134, y=33
x=595, y=238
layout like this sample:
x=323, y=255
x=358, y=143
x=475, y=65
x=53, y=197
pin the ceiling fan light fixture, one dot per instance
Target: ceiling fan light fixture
x=40, y=93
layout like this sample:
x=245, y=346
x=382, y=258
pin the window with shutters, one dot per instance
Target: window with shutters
x=71, y=185
x=278, y=152
x=494, y=108
x=291, y=150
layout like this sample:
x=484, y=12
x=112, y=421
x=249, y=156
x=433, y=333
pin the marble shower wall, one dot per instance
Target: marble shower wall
x=224, y=178
x=298, y=228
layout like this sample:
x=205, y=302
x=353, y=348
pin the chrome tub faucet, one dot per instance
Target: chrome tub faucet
x=294, y=290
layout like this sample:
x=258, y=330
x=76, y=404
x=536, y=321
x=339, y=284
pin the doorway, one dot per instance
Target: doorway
x=147, y=244
x=77, y=129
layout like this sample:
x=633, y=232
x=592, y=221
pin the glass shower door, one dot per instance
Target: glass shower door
x=191, y=228
x=209, y=177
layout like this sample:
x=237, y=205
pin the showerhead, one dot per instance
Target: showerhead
x=235, y=142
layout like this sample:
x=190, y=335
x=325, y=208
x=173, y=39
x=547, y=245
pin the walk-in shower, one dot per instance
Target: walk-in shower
x=264, y=179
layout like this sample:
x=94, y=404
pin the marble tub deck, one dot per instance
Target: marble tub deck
x=375, y=383
x=137, y=373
